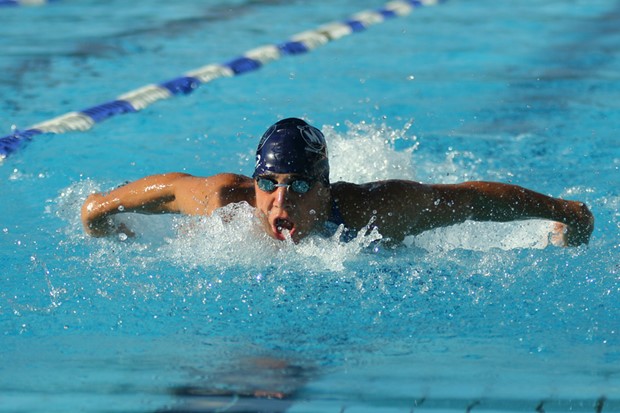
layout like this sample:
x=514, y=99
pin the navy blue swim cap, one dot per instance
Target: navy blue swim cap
x=291, y=146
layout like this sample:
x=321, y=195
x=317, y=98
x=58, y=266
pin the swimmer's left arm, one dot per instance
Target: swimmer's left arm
x=402, y=208
x=493, y=201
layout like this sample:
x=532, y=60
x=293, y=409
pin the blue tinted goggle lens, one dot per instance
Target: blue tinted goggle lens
x=300, y=186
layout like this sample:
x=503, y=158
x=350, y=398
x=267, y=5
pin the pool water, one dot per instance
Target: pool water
x=198, y=314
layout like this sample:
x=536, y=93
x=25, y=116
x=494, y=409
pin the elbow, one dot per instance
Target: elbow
x=87, y=208
x=93, y=220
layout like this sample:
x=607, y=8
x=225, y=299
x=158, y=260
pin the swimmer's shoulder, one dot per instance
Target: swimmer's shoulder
x=213, y=182
x=384, y=202
x=230, y=180
x=206, y=193
x=349, y=199
x=344, y=190
x=355, y=193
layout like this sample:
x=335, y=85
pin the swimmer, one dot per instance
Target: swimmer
x=293, y=197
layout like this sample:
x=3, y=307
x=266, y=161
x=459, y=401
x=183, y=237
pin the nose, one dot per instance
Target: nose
x=280, y=196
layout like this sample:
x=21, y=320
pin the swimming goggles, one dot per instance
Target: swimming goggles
x=300, y=186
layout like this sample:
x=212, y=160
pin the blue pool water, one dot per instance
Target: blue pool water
x=477, y=317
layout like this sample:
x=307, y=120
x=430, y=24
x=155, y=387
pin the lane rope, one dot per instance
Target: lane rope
x=25, y=2
x=251, y=60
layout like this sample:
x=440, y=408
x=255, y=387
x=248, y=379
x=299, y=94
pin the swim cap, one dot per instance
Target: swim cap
x=291, y=146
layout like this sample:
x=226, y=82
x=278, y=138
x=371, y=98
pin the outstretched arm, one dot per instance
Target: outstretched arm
x=402, y=208
x=153, y=194
x=165, y=193
x=491, y=201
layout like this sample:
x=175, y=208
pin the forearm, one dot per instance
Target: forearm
x=491, y=201
x=503, y=202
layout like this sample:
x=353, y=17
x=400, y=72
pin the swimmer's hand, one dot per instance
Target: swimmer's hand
x=106, y=227
x=577, y=230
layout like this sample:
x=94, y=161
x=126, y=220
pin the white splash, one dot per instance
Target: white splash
x=232, y=236
x=366, y=152
x=486, y=236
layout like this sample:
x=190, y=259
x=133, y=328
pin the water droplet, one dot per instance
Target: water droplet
x=121, y=208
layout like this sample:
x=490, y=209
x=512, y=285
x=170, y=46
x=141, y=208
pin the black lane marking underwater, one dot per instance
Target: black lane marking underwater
x=223, y=401
x=472, y=405
x=243, y=386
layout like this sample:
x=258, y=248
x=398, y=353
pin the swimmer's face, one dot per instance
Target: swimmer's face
x=284, y=208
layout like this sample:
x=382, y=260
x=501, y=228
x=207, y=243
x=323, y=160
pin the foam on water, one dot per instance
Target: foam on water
x=367, y=152
x=233, y=236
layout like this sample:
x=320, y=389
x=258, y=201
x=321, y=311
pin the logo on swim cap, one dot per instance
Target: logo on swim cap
x=313, y=137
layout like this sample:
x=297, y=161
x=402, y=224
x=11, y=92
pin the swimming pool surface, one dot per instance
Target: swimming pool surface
x=198, y=314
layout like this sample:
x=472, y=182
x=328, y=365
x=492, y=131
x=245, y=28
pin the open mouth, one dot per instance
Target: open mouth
x=283, y=227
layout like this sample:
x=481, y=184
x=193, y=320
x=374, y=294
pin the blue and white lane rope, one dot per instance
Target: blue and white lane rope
x=25, y=2
x=139, y=99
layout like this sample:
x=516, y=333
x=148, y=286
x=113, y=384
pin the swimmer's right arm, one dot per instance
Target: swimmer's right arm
x=175, y=193
x=151, y=195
